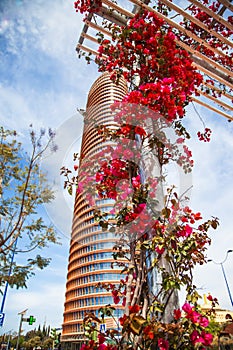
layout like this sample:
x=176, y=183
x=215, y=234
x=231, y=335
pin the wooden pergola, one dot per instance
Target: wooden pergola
x=221, y=76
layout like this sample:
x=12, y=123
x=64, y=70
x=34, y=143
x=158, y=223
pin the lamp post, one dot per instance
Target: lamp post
x=22, y=313
x=224, y=274
x=9, y=338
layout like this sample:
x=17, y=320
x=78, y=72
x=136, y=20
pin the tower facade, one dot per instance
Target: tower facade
x=90, y=256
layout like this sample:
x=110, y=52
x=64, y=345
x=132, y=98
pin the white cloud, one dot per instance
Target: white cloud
x=40, y=69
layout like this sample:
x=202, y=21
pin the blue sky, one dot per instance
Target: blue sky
x=43, y=82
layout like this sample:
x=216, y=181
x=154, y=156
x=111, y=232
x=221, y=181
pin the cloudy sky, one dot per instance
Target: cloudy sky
x=43, y=82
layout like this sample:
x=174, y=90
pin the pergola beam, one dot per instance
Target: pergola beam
x=212, y=73
x=222, y=92
x=118, y=8
x=187, y=32
x=217, y=101
x=212, y=14
x=227, y=4
x=218, y=69
x=207, y=66
x=113, y=16
x=98, y=28
x=218, y=111
x=197, y=22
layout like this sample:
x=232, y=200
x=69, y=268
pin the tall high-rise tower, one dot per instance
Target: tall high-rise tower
x=90, y=256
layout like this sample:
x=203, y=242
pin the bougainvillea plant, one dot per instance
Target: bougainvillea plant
x=160, y=74
x=158, y=233
x=189, y=330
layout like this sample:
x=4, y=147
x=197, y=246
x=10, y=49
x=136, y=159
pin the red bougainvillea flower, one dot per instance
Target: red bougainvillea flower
x=134, y=309
x=148, y=331
x=109, y=175
x=210, y=298
x=83, y=6
x=140, y=131
x=201, y=338
x=205, y=136
x=163, y=344
x=145, y=48
x=195, y=316
x=139, y=208
x=129, y=131
x=88, y=346
x=123, y=319
x=188, y=308
x=203, y=321
x=116, y=297
x=101, y=338
x=197, y=216
x=124, y=130
x=160, y=250
x=185, y=231
x=177, y=314
x=136, y=181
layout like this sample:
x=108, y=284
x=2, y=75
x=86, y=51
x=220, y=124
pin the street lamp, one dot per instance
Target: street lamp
x=224, y=274
x=9, y=338
x=22, y=313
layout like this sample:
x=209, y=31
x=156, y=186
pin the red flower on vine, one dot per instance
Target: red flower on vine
x=205, y=136
x=134, y=309
x=163, y=344
x=177, y=314
x=201, y=338
x=146, y=42
x=83, y=6
x=148, y=331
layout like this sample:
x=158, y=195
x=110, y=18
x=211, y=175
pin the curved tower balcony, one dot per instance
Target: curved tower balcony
x=91, y=249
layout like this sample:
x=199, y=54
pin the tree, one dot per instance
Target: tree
x=23, y=191
x=32, y=342
x=36, y=338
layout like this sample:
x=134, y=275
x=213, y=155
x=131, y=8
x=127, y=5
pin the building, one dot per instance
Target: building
x=220, y=315
x=90, y=256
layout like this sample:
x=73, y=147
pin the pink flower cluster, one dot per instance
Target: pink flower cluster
x=197, y=336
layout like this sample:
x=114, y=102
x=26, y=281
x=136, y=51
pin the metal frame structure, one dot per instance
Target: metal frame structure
x=220, y=74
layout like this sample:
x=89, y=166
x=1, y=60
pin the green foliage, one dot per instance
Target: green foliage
x=55, y=336
x=23, y=191
x=37, y=338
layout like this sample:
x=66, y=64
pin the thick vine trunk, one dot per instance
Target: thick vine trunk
x=152, y=168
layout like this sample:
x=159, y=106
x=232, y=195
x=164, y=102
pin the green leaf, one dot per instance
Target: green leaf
x=70, y=190
x=23, y=190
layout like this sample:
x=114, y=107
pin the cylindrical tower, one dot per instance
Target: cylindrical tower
x=91, y=249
